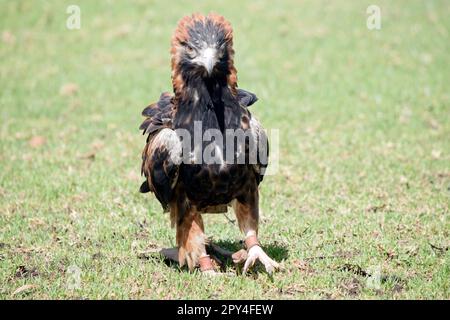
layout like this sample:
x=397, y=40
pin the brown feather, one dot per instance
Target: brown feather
x=181, y=35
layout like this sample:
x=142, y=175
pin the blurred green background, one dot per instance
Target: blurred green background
x=364, y=176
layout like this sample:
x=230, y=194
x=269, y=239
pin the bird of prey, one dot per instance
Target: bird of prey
x=205, y=100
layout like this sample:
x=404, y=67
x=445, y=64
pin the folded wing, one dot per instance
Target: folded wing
x=162, y=153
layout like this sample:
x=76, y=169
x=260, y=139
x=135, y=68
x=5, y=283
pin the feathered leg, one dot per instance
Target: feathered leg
x=247, y=214
x=191, y=242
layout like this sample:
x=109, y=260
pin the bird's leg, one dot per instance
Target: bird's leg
x=191, y=242
x=248, y=215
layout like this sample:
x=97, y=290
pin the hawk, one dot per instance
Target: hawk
x=191, y=176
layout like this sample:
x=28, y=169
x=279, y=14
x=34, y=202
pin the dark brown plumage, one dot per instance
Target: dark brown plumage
x=205, y=92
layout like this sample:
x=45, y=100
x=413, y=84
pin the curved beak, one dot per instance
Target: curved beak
x=208, y=59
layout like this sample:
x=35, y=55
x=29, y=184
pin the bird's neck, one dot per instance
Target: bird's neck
x=197, y=89
x=204, y=95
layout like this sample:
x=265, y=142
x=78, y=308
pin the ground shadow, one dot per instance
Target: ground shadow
x=221, y=252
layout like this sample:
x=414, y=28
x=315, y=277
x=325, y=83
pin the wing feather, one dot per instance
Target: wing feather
x=262, y=143
x=161, y=156
x=246, y=98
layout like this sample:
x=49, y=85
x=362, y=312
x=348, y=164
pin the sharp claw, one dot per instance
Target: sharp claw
x=248, y=264
x=258, y=254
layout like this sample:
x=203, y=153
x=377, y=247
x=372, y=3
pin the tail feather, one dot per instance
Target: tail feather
x=144, y=187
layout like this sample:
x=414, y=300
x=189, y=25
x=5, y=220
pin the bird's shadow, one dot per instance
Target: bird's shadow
x=221, y=252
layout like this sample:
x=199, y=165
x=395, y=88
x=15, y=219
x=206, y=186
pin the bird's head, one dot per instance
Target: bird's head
x=202, y=48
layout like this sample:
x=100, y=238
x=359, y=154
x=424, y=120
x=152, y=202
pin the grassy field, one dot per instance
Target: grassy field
x=359, y=207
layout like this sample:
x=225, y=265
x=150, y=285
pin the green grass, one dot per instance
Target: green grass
x=364, y=175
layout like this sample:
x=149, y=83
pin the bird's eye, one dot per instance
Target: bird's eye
x=189, y=50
